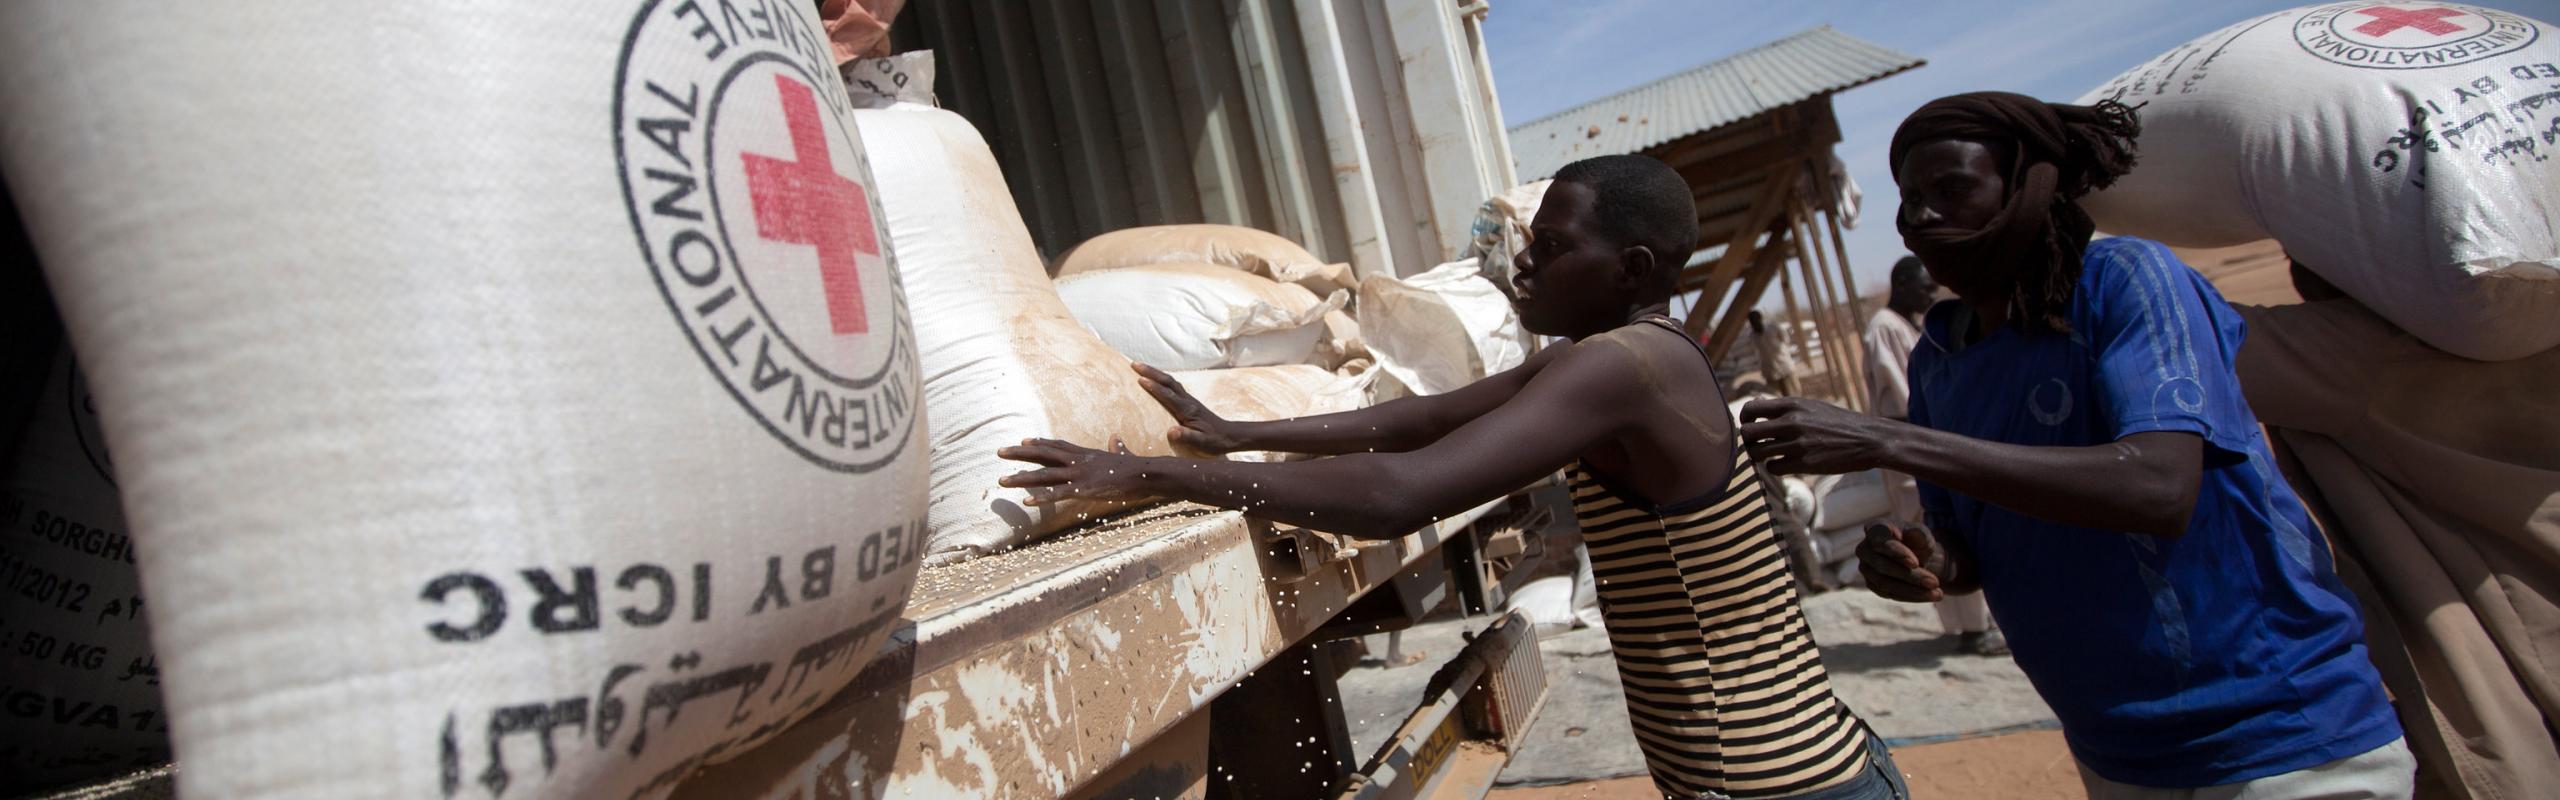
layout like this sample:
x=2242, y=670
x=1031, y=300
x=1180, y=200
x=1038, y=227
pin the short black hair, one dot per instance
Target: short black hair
x=1638, y=200
x=1908, y=272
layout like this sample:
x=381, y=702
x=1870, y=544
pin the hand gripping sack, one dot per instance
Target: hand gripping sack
x=1260, y=252
x=1003, y=360
x=76, y=649
x=2404, y=151
x=543, y=422
x=1201, y=316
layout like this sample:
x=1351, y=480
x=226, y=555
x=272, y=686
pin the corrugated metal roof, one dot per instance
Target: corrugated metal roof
x=1717, y=93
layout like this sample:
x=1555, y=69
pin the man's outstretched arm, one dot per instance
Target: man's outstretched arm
x=1394, y=426
x=2144, y=483
x=1577, y=401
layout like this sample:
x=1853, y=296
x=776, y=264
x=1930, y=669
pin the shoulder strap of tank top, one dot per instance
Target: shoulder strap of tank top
x=1646, y=363
x=1674, y=327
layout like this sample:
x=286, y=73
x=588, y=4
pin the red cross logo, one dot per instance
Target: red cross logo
x=804, y=201
x=2429, y=20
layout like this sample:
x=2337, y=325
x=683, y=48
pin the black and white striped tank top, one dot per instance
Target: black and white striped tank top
x=1723, y=684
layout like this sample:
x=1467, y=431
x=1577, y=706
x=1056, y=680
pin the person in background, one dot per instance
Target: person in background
x=1777, y=351
x=1890, y=336
x=2086, y=461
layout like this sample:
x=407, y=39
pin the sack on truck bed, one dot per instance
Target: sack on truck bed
x=2404, y=151
x=1004, y=361
x=544, y=423
x=1441, y=329
x=1259, y=394
x=1260, y=252
x=1200, y=316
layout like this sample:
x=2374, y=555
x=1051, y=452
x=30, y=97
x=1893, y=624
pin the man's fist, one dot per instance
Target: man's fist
x=1905, y=565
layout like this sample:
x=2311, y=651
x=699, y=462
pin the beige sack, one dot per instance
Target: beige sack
x=1263, y=253
x=1260, y=394
x=510, y=401
x=1003, y=359
x=1201, y=316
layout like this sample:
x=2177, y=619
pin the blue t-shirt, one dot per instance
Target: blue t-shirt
x=2230, y=653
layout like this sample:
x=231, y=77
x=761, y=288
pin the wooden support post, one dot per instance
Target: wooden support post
x=1769, y=263
x=1765, y=208
x=1818, y=301
x=1839, y=338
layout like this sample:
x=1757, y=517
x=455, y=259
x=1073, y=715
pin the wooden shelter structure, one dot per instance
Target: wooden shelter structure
x=1752, y=133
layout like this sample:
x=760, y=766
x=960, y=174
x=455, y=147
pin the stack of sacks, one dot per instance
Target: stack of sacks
x=1003, y=358
x=1842, y=507
x=2400, y=150
x=1256, y=251
x=1239, y=248
x=1441, y=329
x=1185, y=316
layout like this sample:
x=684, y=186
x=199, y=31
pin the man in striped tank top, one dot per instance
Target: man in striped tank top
x=1724, y=688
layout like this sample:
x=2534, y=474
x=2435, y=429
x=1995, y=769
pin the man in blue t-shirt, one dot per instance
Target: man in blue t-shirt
x=2087, y=462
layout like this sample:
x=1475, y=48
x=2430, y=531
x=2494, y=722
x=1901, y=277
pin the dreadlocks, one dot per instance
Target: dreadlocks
x=2057, y=154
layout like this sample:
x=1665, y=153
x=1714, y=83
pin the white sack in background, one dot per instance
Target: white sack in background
x=512, y=401
x=1260, y=252
x=1441, y=329
x=2402, y=150
x=1200, y=316
x=1003, y=359
x=1501, y=229
x=75, y=646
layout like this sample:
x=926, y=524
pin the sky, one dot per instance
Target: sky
x=1552, y=55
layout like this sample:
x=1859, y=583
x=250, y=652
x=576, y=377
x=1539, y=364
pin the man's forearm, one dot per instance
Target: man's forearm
x=1353, y=495
x=2115, y=486
x=1395, y=426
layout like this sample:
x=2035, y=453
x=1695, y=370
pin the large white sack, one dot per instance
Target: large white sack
x=2402, y=150
x=1201, y=316
x=1849, y=499
x=81, y=683
x=1441, y=329
x=512, y=401
x=1260, y=252
x=1003, y=360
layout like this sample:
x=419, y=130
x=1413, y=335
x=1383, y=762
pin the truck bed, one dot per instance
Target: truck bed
x=1028, y=673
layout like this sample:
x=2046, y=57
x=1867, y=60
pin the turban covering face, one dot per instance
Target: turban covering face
x=2031, y=249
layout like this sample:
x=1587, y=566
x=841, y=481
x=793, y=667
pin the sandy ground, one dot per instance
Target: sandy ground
x=1886, y=659
x=2018, y=766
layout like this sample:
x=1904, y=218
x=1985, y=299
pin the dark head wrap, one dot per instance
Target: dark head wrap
x=2061, y=152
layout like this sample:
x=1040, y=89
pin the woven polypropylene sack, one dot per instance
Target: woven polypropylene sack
x=83, y=685
x=1260, y=252
x=1004, y=361
x=1259, y=394
x=1201, y=316
x=511, y=400
x=2404, y=151
x=1441, y=329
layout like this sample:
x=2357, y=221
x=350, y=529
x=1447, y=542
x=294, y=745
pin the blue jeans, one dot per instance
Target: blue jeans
x=1881, y=780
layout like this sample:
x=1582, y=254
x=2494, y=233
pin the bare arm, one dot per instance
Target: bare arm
x=1395, y=426
x=1577, y=401
x=2144, y=483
